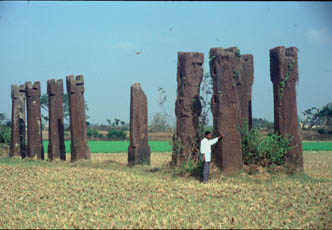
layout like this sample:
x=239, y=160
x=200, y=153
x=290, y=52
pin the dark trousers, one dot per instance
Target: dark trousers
x=206, y=169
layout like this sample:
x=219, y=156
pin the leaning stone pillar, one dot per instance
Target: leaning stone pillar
x=139, y=149
x=226, y=110
x=187, y=107
x=245, y=74
x=79, y=142
x=56, y=146
x=284, y=75
x=17, y=142
x=35, y=143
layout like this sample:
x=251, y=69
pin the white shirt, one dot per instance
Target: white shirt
x=206, y=148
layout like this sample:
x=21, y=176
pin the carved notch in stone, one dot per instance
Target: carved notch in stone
x=17, y=143
x=79, y=142
x=35, y=144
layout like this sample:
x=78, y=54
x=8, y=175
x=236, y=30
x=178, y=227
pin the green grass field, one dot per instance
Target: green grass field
x=164, y=146
x=117, y=146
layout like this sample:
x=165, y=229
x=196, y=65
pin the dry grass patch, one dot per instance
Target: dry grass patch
x=105, y=193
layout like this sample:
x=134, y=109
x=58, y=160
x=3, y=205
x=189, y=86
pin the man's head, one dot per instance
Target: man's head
x=208, y=135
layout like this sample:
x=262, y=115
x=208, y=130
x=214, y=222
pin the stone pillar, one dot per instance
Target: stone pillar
x=139, y=149
x=226, y=110
x=188, y=107
x=79, y=142
x=35, y=143
x=284, y=75
x=56, y=146
x=17, y=142
x=244, y=74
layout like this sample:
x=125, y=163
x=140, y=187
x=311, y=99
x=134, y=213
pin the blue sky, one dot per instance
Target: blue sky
x=44, y=40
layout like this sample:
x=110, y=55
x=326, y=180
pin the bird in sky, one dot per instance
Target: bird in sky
x=139, y=52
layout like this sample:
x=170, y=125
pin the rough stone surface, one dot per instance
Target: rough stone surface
x=245, y=74
x=226, y=110
x=56, y=146
x=139, y=149
x=35, y=145
x=17, y=143
x=79, y=142
x=284, y=75
x=187, y=107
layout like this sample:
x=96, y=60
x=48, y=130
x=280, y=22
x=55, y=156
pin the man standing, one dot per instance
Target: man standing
x=206, y=153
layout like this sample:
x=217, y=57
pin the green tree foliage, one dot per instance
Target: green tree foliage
x=116, y=135
x=5, y=131
x=322, y=118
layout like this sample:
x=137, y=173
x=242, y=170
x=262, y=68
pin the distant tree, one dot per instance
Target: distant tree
x=309, y=121
x=159, y=123
x=65, y=104
x=261, y=123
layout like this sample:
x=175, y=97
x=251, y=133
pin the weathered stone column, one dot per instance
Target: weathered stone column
x=17, y=142
x=56, y=146
x=245, y=74
x=284, y=75
x=226, y=110
x=35, y=144
x=139, y=149
x=188, y=107
x=79, y=142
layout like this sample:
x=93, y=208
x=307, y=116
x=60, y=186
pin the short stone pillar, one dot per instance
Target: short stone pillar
x=188, y=107
x=284, y=75
x=56, y=146
x=35, y=142
x=244, y=72
x=226, y=110
x=79, y=142
x=17, y=142
x=139, y=149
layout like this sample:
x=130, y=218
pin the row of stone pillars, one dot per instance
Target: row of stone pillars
x=56, y=149
x=233, y=76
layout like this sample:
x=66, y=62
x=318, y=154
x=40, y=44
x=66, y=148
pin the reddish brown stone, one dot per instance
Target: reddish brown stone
x=284, y=75
x=245, y=74
x=79, y=142
x=56, y=146
x=225, y=107
x=17, y=143
x=35, y=144
x=139, y=149
x=188, y=107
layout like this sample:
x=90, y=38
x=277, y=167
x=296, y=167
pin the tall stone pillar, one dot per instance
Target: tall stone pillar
x=188, y=107
x=17, y=142
x=284, y=75
x=244, y=72
x=35, y=143
x=56, y=146
x=79, y=142
x=139, y=149
x=226, y=110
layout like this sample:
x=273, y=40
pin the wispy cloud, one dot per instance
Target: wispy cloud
x=322, y=36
